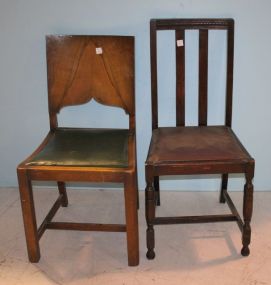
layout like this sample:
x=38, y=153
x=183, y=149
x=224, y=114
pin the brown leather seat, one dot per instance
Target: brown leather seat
x=185, y=144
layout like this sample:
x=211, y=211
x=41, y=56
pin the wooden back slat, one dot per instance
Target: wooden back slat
x=203, y=77
x=180, y=26
x=193, y=23
x=180, y=77
x=82, y=68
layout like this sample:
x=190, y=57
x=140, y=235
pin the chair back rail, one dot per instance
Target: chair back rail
x=180, y=26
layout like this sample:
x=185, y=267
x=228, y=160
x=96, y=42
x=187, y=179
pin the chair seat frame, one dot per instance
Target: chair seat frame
x=127, y=176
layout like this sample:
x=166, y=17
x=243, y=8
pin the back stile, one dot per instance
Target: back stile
x=53, y=121
x=132, y=122
x=203, y=76
x=229, y=86
x=180, y=77
x=153, y=49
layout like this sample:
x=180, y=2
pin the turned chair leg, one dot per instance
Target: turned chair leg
x=157, y=190
x=62, y=191
x=150, y=214
x=29, y=217
x=130, y=195
x=247, y=212
x=224, y=186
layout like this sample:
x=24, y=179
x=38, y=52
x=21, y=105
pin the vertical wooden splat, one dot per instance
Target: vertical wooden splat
x=203, y=76
x=180, y=77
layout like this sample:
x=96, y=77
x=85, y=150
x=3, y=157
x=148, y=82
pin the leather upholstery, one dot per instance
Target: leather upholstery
x=85, y=147
x=185, y=144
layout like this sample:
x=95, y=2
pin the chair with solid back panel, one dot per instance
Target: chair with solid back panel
x=192, y=150
x=81, y=68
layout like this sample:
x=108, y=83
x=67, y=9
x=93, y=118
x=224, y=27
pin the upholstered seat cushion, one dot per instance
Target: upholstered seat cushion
x=85, y=147
x=187, y=144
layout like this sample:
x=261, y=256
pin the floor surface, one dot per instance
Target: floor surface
x=185, y=254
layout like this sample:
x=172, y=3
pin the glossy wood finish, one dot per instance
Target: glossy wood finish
x=81, y=68
x=201, y=149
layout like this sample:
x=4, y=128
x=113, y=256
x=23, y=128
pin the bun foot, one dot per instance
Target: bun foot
x=245, y=251
x=150, y=254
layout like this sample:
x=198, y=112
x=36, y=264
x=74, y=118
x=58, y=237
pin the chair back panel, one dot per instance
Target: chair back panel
x=81, y=68
x=180, y=26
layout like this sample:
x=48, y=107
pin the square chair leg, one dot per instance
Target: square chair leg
x=29, y=217
x=131, y=198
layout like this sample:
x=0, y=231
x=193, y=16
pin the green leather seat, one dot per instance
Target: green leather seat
x=85, y=147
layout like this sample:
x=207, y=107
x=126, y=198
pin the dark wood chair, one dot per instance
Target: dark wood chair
x=81, y=68
x=202, y=149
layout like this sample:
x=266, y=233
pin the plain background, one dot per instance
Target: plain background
x=23, y=86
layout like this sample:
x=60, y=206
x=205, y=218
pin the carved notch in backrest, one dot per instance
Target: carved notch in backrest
x=81, y=68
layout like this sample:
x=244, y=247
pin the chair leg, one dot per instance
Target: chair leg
x=29, y=217
x=247, y=212
x=224, y=186
x=136, y=182
x=157, y=190
x=150, y=214
x=62, y=191
x=130, y=195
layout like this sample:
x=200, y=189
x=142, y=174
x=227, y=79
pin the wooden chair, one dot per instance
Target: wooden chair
x=81, y=68
x=202, y=149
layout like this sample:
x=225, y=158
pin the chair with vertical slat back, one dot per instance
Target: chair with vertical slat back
x=81, y=68
x=192, y=150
